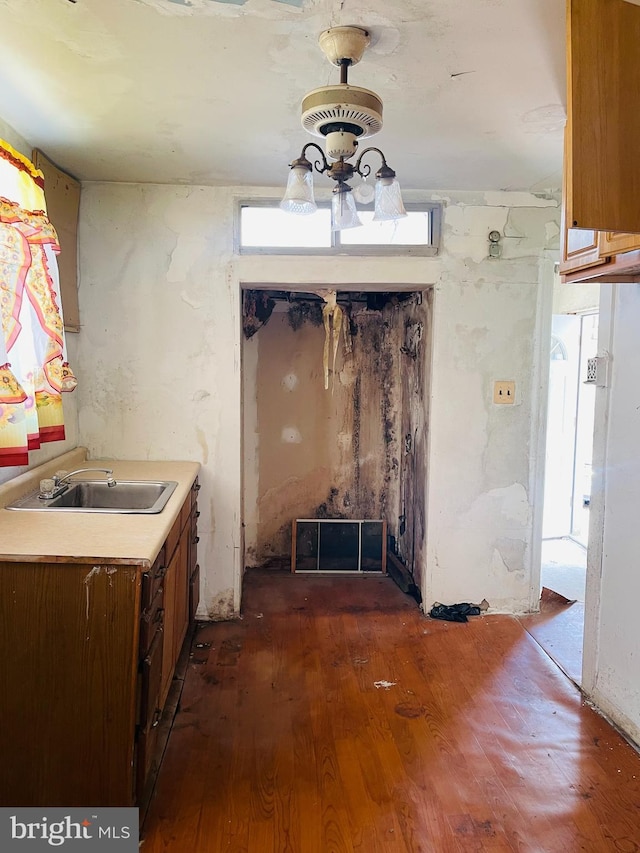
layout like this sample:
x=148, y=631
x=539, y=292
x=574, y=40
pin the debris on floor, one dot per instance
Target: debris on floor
x=399, y=573
x=385, y=684
x=457, y=612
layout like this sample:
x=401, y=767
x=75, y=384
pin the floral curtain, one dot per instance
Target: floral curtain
x=34, y=371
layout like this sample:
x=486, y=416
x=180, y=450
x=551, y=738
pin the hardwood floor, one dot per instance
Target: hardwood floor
x=559, y=629
x=334, y=718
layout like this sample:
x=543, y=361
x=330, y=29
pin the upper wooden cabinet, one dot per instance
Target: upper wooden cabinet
x=615, y=242
x=580, y=248
x=601, y=213
x=603, y=115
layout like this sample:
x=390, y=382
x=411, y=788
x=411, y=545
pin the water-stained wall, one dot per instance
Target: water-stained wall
x=159, y=368
x=352, y=450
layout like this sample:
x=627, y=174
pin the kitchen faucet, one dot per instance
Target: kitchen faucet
x=58, y=483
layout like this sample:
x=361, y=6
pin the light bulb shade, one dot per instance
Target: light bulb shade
x=298, y=197
x=343, y=210
x=364, y=193
x=388, y=200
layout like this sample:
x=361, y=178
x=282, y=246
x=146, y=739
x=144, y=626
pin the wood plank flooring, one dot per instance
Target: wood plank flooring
x=559, y=629
x=335, y=718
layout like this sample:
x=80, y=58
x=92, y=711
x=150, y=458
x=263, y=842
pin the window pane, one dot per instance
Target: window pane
x=270, y=227
x=413, y=230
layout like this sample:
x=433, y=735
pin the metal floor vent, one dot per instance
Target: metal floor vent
x=338, y=545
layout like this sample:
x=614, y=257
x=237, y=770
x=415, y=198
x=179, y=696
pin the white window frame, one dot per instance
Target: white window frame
x=408, y=250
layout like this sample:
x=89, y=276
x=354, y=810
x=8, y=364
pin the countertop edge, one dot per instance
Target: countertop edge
x=109, y=539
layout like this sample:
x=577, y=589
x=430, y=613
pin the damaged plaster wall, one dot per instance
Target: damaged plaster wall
x=159, y=366
x=486, y=460
x=341, y=452
x=159, y=360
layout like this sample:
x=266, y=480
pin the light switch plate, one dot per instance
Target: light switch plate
x=504, y=392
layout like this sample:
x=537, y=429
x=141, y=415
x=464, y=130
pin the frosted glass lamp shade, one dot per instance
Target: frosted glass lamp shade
x=388, y=200
x=343, y=211
x=298, y=197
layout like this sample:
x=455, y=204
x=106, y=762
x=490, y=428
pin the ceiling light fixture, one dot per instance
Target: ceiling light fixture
x=343, y=115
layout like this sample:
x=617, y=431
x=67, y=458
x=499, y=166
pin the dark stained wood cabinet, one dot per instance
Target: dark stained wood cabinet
x=88, y=653
x=194, y=568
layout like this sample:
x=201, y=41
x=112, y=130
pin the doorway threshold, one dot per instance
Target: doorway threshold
x=558, y=629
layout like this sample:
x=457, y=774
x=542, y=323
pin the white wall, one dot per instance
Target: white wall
x=55, y=448
x=160, y=374
x=159, y=370
x=14, y=138
x=575, y=298
x=611, y=674
x=491, y=322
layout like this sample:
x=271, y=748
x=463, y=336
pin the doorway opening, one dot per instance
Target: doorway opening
x=559, y=627
x=335, y=394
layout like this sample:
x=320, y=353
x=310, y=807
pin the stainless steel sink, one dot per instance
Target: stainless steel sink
x=127, y=496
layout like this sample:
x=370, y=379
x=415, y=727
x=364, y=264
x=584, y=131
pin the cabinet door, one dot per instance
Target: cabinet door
x=194, y=594
x=613, y=243
x=176, y=595
x=151, y=621
x=168, y=660
x=580, y=249
x=181, y=613
x=151, y=680
x=603, y=106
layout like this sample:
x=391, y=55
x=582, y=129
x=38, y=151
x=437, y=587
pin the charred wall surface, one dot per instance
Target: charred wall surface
x=354, y=449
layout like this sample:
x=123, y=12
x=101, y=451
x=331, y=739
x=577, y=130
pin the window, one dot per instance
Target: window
x=262, y=228
x=33, y=364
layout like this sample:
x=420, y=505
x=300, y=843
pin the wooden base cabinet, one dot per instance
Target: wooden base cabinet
x=194, y=568
x=87, y=654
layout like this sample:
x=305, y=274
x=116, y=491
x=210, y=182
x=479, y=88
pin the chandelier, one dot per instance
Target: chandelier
x=343, y=115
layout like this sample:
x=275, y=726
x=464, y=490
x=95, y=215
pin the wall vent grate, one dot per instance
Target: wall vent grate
x=338, y=545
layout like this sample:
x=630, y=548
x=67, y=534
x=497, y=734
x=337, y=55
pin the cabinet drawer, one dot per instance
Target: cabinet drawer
x=151, y=621
x=152, y=580
x=150, y=680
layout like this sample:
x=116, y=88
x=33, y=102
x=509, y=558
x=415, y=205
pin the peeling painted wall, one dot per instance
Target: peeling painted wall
x=159, y=351
x=342, y=452
x=159, y=366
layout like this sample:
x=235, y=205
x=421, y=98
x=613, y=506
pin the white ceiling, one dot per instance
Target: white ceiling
x=209, y=91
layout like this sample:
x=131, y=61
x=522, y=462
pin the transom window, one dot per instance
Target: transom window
x=262, y=228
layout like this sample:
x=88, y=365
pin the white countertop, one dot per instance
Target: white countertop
x=49, y=536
